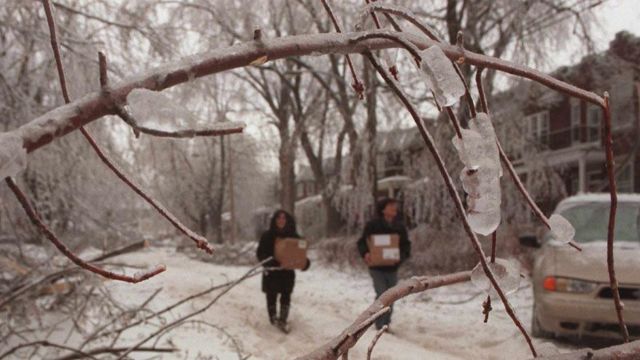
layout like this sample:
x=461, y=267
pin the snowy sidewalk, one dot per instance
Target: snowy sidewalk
x=439, y=324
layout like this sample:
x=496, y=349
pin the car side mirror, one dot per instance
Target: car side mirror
x=529, y=241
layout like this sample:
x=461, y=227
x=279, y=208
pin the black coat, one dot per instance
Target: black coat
x=381, y=226
x=275, y=281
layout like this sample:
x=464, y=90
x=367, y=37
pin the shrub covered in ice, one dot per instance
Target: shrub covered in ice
x=13, y=156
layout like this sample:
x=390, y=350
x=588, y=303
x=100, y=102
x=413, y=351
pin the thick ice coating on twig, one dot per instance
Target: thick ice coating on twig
x=480, y=177
x=561, y=229
x=488, y=149
x=154, y=109
x=506, y=272
x=441, y=76
x=13, y=156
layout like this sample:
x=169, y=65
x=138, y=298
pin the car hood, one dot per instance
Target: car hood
x=591, y=262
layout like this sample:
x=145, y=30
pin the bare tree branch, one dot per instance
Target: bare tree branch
x=374, y=341
x=64, y=119
x=608, y=143
x=405, y=288
x=37, y=221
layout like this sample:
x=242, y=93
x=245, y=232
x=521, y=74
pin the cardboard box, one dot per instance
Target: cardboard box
x=384, y=249
x=291, y=253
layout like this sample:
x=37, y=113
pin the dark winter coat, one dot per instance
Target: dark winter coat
x=277, y=281
x=380, y=226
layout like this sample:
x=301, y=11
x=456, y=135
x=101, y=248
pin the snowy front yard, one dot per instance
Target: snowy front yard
x=445, y=323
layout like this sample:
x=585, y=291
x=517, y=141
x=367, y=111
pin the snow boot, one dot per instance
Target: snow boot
x=273, y=318
x=282, y=320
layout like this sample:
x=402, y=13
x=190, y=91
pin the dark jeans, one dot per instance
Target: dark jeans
x=285, y=301
x=382, y=281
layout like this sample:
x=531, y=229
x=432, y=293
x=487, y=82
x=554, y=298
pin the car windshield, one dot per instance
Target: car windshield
x=591, y=221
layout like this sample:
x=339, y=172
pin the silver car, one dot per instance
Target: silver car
x=572, y=296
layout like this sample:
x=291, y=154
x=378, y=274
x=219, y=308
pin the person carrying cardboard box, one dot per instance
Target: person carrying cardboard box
x=282, y=242
x=384, y=245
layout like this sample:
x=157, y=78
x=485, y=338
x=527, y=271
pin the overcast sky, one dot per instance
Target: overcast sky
x=612, y=16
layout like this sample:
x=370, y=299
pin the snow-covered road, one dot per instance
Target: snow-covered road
x=444, y=323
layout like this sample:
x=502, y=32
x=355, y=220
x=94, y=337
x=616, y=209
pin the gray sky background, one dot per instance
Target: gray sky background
x=612, y=16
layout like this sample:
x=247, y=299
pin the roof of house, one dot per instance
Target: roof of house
x=614, y=70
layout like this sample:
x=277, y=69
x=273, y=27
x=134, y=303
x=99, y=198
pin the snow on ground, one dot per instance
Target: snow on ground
x=443, y=323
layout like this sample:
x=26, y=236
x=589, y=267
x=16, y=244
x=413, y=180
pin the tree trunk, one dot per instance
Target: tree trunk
x=287, y=174
x=218, y=204
x=333, y=219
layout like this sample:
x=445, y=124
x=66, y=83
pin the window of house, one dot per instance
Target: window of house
x=624, y=180
x=575, y=122
x=538, y=127
x=594, y=119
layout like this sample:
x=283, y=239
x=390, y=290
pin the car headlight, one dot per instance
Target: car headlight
x=552, y=283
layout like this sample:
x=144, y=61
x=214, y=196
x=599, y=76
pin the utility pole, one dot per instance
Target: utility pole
x=232, y=210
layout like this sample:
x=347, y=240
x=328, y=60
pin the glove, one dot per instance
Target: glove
x=306, y=267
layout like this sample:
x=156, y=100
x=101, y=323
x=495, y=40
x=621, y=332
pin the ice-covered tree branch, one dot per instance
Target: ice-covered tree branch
x=37, y=221
x=350, y=336
x=64, y=119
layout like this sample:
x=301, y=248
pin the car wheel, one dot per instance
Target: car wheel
x=536, y=329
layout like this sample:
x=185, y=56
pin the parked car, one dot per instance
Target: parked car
x=572, y=296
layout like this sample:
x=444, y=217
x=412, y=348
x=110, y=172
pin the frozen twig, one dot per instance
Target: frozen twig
x=486, y=308
x=45, y=343
x=374, y=341
x=128, y=118
x=236, y=343
x=405, y=14
x=91, y=337
x=454, y=196
x=393, y=69
x=185, y=318
x=357, y=84
x=354, y=334
x=156, y=314
x=37, y=221
x=608, y=143
x=486, y=305
x=19, y=292
x=481, y=94
x=331, y=351
x=79, y=354
x=115, y=351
